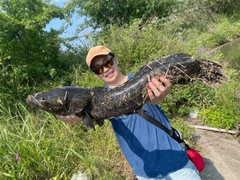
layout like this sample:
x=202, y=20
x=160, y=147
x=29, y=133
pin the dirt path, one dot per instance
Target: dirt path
x=221, y=153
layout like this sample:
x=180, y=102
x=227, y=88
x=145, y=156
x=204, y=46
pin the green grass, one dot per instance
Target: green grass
x=38, y=146
x=224, y=111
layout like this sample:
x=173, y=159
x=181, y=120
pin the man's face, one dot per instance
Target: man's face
x=109, y=75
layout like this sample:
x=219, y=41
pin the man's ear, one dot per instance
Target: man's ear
x=116, y=60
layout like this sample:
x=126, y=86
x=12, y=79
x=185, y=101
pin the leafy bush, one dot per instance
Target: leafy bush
x=224, y=111
x=221, y=33
x=220, y=117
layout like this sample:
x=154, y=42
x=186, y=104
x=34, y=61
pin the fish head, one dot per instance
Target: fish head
x=61, y=101
x=49, y=101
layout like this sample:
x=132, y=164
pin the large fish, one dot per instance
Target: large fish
x=101, y=103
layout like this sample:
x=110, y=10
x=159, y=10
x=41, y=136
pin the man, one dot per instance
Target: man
x=150, y=151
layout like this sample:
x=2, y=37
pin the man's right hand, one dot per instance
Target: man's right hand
x=70, y=119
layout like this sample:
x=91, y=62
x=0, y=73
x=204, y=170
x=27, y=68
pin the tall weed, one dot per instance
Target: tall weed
x=38, y=146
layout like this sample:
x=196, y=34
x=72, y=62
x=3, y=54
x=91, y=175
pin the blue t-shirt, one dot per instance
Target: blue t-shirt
x=150, y=151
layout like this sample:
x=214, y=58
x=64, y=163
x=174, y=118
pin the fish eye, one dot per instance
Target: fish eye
x=42, y=99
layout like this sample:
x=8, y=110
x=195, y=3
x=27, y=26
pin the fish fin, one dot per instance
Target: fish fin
x=100, y=122
x=88, y=121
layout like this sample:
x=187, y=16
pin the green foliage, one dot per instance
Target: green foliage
x=23, y=39
x=223, y=6
x=223, y=32
x=28, y=54
x=220, y=117
x=100, y=13
x=224, y=113
x=31, y=147
x=185, y=99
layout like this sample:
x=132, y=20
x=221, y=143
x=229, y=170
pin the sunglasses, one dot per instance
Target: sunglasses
x=107, y=62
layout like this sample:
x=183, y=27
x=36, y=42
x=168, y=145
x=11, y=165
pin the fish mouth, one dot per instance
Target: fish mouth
x=32, y=100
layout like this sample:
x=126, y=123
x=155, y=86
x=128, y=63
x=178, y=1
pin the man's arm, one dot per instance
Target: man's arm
x=70, y=119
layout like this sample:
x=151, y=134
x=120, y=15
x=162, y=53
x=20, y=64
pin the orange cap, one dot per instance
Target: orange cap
x=96, y=51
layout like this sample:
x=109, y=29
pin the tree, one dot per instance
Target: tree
x=101, y=13
x=26, y=49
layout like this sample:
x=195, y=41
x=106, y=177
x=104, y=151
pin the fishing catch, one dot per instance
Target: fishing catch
x=101, y=103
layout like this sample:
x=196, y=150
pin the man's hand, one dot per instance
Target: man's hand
x=158, y=89
x=70, y=119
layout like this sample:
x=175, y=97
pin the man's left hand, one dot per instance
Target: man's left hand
x=158, y=89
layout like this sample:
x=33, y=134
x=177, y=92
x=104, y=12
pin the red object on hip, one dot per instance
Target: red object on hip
x=196, y=158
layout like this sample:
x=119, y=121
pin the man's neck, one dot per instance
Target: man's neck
x=122, y=79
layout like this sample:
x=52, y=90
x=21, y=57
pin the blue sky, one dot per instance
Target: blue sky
x=57, y=23
x=70, y=31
